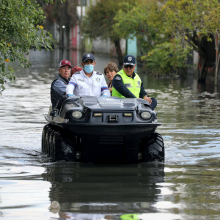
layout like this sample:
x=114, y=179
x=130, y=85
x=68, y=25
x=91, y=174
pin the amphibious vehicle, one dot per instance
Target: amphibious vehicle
x=102, y=130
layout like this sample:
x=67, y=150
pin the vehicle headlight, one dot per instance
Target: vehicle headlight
x=146, y=115
x=77, y=114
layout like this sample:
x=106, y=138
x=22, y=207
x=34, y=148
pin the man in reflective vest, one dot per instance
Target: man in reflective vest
x=128, y=84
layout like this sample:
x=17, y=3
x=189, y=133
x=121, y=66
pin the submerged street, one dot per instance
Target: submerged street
x=186, y=186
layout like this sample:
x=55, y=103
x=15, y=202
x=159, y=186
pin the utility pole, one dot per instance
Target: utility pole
x=81, y=18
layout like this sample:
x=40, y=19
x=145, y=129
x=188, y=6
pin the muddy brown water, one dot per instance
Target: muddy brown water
x=187, y=186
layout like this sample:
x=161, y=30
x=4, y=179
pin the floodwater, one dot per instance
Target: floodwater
x=186, y=186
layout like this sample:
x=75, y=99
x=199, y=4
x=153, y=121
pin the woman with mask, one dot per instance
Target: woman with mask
x=87, y=82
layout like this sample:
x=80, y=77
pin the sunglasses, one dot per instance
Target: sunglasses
x=88, y=61
x=129, y=66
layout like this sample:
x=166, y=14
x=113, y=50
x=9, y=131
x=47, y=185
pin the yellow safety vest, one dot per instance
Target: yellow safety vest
x=134, y=85
x=130, y=217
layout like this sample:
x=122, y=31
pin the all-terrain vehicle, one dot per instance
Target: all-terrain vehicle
x=102, y=130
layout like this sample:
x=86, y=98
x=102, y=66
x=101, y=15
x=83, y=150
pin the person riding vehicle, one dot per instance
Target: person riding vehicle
x=128, y=84
x=58, y=86
x=87, y=82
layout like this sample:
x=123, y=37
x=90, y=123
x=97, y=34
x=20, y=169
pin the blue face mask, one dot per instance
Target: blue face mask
x=89, y=68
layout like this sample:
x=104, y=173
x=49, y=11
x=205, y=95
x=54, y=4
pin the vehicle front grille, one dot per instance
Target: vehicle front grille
x=119, y=140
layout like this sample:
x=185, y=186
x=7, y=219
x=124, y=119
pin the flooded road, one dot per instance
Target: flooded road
x=187, y=186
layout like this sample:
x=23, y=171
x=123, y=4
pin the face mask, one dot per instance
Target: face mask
x=89, y=68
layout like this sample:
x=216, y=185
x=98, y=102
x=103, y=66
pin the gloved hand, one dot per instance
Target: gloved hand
x=69, y=95
x=104, y=96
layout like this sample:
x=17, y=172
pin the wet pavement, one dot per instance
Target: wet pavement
x=185, y=187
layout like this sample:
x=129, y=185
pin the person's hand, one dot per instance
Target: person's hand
x=69, y=95
x=147, y=99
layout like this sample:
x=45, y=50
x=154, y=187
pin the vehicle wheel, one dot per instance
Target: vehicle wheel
x=153, y=148
x=64, y=149
x=53, y=159
x=47, y=144
x=50, y=142
x=44, y=137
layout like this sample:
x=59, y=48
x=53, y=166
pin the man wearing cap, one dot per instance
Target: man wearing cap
x=87, y=82
x=58, y=86
x=128, y=84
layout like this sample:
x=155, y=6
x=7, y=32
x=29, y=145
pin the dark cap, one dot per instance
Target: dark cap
x=64, y=63
x=88, y=56
x=129, y=60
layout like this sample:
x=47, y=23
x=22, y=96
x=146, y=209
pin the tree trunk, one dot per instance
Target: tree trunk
x=202, y=72
x=118, y=51
x=217, y=56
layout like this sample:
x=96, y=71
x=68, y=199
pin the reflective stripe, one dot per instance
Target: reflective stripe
x=128, y=85
x=73, y=83
x=104, y=88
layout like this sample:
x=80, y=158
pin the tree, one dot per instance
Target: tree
x=196, y=22
x=63, y=13
x=142, y=20
x=145, y=21
x=100, y=20
x=170, y=29
x=21, y=28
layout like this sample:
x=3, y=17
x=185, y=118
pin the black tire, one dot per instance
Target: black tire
x=53, y=159
x=153, y=148
x=53, y=146
x=47, y=145
x=43, y=147
x=42, y=139
x=63, y=148
x=50, y=142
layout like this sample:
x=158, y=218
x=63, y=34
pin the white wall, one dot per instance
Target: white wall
x=107, y=47
x=101, y=46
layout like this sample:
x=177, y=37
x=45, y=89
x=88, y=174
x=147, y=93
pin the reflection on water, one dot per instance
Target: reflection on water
x=87, y=188
x=186, y=188
x=197, y=188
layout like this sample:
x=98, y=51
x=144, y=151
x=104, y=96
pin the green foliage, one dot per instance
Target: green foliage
x=61, y=12
x=100, y=18
x=158, y=62
x=155, y=23
x=167, y=57
x=20, y=29
x=193, y=20
x=141, y=20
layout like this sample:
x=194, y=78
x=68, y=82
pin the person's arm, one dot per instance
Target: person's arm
x=71, y=86
x=104, y=88
x=118, y=84
x=143, y=94
x=58, y=89
x=142, y=91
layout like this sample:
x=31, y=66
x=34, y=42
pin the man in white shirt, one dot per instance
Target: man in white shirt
x=87, y=82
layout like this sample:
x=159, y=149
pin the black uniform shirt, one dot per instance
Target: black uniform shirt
x=118, y=84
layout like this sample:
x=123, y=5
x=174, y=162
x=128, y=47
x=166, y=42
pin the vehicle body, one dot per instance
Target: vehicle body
x=102, y=130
